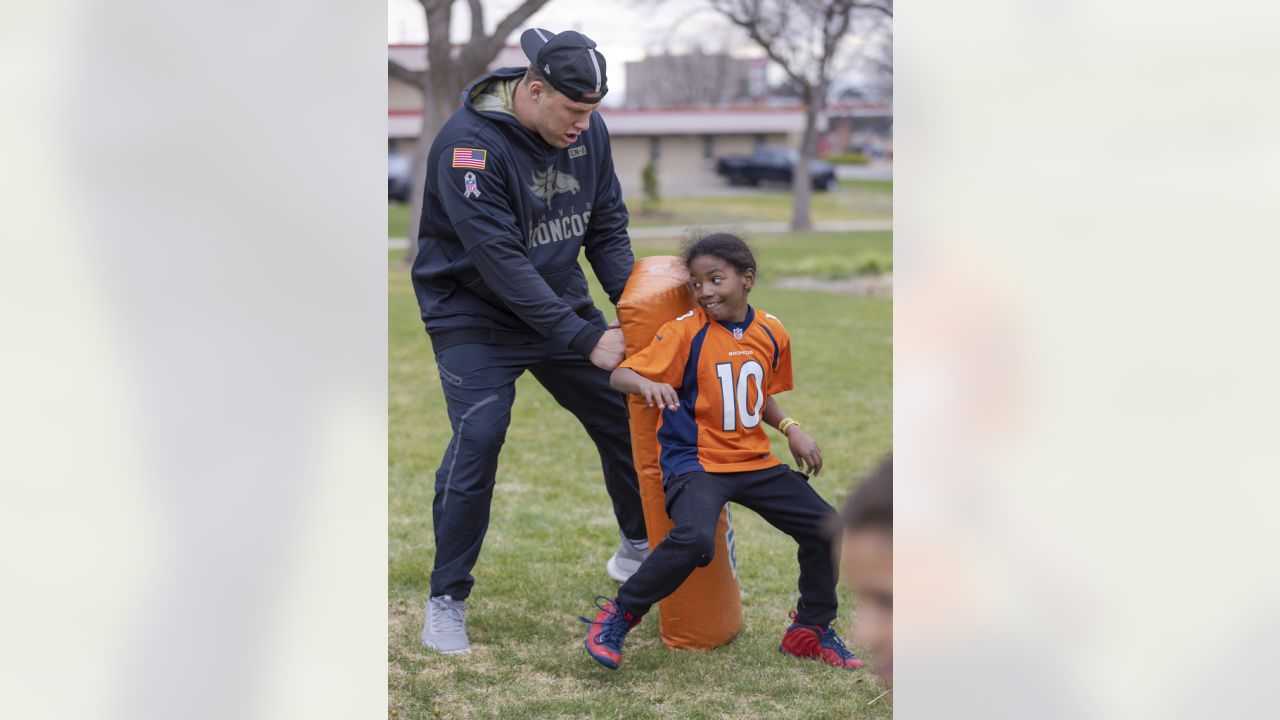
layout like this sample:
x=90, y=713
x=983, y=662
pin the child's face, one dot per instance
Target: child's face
x=868, y=568
x=719, y=288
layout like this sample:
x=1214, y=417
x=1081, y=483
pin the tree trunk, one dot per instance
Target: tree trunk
x=447, y=74
x=416, y=191
x=436, y=83
x=441, y=101
x=801, y=179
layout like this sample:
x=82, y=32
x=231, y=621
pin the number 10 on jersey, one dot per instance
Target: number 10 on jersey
x=734, y=394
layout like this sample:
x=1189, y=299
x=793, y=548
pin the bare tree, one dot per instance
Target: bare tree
x=865, y=66
x=880, y=62
x=695, y=79
x=803, y=37
x=447, y=73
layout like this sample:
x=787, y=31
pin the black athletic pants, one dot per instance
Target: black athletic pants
x=779, y=495
x=479, y=388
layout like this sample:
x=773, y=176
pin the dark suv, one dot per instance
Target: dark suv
x=773, y=165
x=399, y=177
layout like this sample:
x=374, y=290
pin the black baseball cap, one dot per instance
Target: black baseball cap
x=570, y=62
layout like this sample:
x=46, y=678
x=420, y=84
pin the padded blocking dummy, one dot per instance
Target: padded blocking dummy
x=706, y=611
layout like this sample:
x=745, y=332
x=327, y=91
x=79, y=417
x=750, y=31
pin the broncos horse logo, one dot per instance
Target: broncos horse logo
x=551, y=182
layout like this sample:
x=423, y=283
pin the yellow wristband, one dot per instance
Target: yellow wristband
x=785, y=424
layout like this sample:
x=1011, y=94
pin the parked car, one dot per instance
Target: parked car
x=399, y=177
x=770, y=164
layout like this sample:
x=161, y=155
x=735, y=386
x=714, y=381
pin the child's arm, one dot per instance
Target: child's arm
x=804, y=448
x=629, y=381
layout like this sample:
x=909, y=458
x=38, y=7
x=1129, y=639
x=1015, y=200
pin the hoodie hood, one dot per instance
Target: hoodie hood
x=493, y=96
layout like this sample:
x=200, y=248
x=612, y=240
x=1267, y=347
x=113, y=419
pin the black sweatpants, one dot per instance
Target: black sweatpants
x=779, y=495
x=479, y=384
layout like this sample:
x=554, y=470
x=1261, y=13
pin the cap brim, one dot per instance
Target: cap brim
x=533, y=40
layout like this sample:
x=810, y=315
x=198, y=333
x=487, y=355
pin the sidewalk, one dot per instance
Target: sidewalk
x=876, y=170
x=762, y=228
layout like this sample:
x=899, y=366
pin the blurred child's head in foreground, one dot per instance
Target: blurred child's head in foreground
x=868, y=564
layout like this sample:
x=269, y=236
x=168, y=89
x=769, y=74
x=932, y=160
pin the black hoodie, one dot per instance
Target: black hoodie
x=503, y=220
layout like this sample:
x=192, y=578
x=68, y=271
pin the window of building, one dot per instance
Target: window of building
x=655, y=149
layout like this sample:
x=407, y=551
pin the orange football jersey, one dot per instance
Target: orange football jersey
x=723, y=373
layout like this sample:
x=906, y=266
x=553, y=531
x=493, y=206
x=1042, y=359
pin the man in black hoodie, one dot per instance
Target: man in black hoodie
x=519, y=180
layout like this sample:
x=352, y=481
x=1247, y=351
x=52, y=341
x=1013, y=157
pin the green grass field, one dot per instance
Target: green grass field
x=552, y=531
x=852, y=200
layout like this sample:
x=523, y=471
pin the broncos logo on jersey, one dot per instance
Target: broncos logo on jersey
x=551, y=182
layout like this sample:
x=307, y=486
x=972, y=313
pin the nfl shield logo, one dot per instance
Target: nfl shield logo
x=737, y=333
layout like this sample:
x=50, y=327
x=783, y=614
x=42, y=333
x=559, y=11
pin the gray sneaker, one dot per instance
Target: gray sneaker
x=445, y=629
x=627, y=559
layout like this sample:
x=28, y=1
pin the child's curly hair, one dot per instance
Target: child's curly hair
x=726, y=246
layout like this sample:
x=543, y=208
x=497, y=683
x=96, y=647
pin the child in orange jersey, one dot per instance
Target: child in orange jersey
x=714, y=372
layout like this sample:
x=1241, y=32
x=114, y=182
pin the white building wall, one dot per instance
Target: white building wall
x=630, y=154
x=402, y=96
x=682, y=167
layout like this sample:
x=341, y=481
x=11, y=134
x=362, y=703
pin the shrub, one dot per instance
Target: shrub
x=837, y=267
x=652, y=194
x=849, y=157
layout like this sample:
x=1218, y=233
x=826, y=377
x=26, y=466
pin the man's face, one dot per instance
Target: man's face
x=558, y=119
x=868, y=568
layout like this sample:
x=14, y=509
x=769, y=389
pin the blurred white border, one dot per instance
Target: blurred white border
x=195, y=360
x=1085, y=358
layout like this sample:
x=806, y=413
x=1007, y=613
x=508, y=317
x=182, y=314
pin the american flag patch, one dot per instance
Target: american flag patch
x=469, y=158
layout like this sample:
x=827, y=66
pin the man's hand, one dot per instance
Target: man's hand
x=660, y=394
x=609, y=350
x=805, y=449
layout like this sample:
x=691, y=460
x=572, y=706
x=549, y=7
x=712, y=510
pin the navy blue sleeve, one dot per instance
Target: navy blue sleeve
x=473, y=191
x=608, y=247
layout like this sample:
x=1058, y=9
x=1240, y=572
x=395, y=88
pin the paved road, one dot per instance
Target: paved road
x=873, y=171
x=764, y=228
x=720, y=188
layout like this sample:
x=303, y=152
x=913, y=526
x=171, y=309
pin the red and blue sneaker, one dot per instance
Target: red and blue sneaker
x=607, y=631
x=818, y=642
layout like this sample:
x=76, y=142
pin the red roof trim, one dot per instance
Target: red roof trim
x=420, y=46
x=742, y=109
x=655, y=111
x=672, y=111
x=788, y=109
